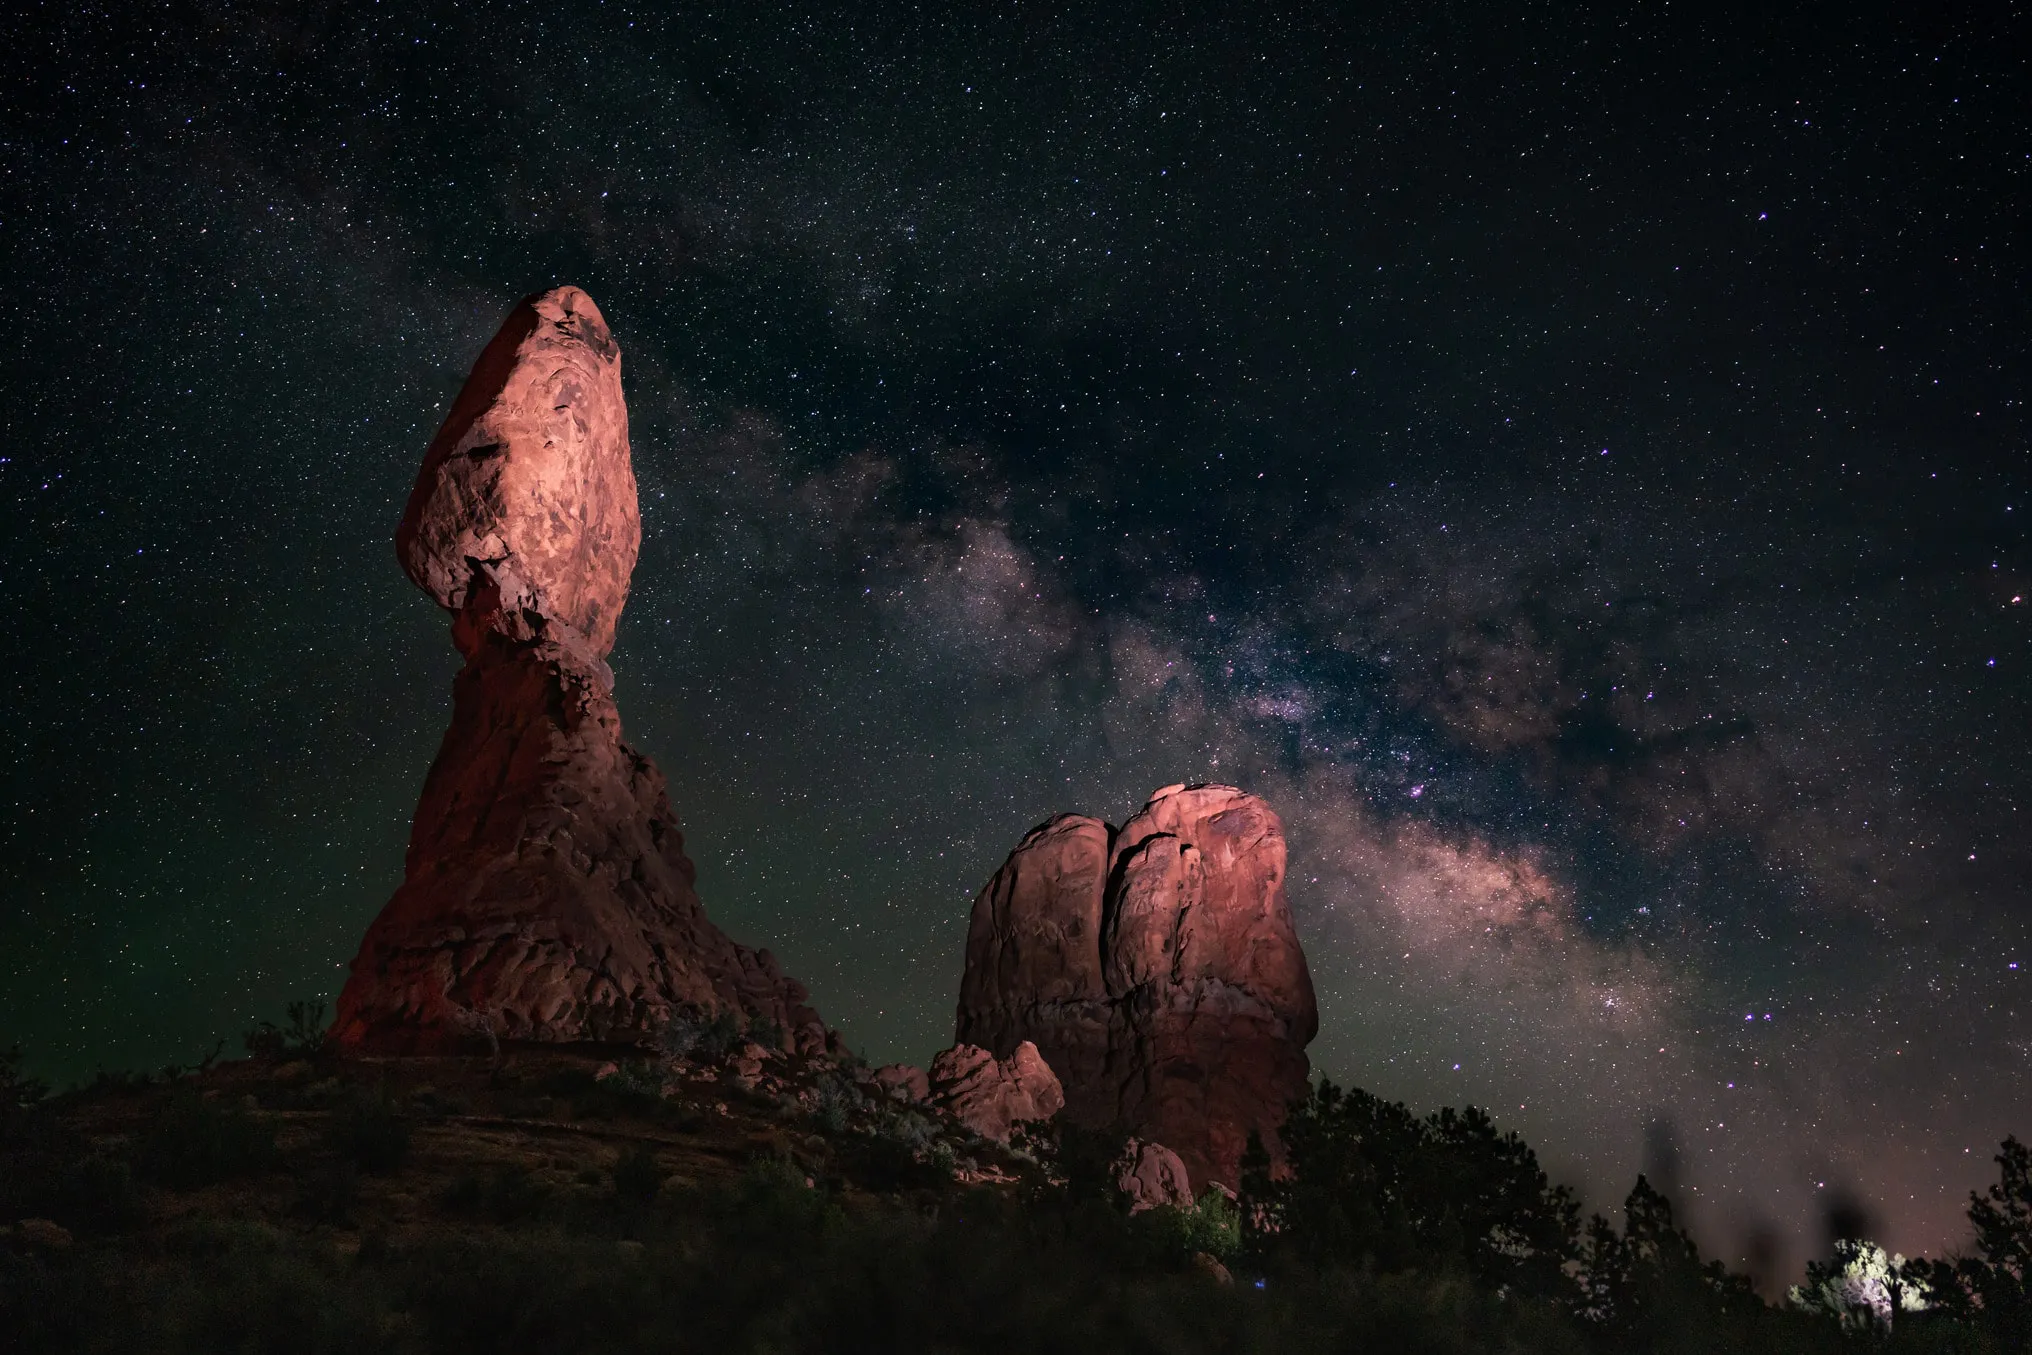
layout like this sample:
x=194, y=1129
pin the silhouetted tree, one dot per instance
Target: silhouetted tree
x=1648, y=1288
x=1371, y=1182
x=1989, y=1288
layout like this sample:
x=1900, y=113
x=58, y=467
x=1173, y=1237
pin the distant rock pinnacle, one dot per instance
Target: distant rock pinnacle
x=1155, y=968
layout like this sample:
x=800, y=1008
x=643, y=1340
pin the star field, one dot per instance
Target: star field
x=1571, y=462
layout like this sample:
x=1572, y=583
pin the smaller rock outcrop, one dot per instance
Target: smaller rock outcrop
x=991, y=1096
x=1157, y=969
x=903, y=1082
x=1152, y=1175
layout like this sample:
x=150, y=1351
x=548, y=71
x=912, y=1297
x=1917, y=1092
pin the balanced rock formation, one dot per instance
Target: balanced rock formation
x=1156, y=969
x=992, y=1096
x=546, y=894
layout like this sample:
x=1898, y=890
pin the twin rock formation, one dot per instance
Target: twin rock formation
x=547, y=896
x=1156, y=970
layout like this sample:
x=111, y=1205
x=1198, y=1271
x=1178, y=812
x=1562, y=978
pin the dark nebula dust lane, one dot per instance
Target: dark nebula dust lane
x=1571, y=463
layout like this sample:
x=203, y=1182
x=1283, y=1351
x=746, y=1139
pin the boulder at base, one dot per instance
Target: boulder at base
x=1152, y=1175
x=991, y=1096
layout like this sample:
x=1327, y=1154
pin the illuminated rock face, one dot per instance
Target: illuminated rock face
x=528, y=489
x=1155, y=968
x=992, y=1096
x=546, y=894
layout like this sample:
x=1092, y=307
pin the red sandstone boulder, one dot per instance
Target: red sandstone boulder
x=546, y=894
x=991, y=1096
x=528, y=486
x=902, y=1082
x=1152, y=1175
x=1156, y=969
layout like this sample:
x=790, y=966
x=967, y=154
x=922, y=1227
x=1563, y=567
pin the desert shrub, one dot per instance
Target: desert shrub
x=573, y=1084
x=1212, y=1225
x=366, y=1131
x=119, y=1082
x=194, y=1142
x=302, y=1036
x=99, y=1192
x=838, y=1099
x=1081, y=1163
x=766, y=1031
x=238, y=1287
x=17, y=1090
x=508, y=1194
x=719, y=1036
x=96, y=1192
x=890, y=1164
x=832, y=1115
x=465, y=1196
x=328, y=1191
x=638, y=1175
x=637, y=1084
x=914, y=1131
x=680, y=1035
x=761, y=1263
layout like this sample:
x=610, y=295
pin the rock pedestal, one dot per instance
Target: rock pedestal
x=546, y=893
x=1155, y=968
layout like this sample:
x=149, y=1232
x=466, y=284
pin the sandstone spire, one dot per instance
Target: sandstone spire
x=546, y=893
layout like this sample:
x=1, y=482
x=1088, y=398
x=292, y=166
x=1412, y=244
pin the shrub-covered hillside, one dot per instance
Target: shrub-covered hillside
x=564, y=1201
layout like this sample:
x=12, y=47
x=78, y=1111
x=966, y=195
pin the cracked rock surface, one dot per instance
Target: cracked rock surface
x=991, y=1095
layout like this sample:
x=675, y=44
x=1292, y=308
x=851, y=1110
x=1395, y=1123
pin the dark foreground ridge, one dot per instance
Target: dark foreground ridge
x=719, y=1196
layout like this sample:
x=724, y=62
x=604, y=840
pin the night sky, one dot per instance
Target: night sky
x=1572, y=461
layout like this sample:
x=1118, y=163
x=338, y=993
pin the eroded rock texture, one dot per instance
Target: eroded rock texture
x=903, y=1082
x=546, y=894
x=1151, y=1175
x=1155, y=968
x=992, y=1096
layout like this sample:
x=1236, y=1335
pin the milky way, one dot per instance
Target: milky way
x=1573, y=469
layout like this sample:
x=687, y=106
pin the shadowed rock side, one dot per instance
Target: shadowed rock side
x=1152, y=1176
x=1155, y=968
x=546, y=894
